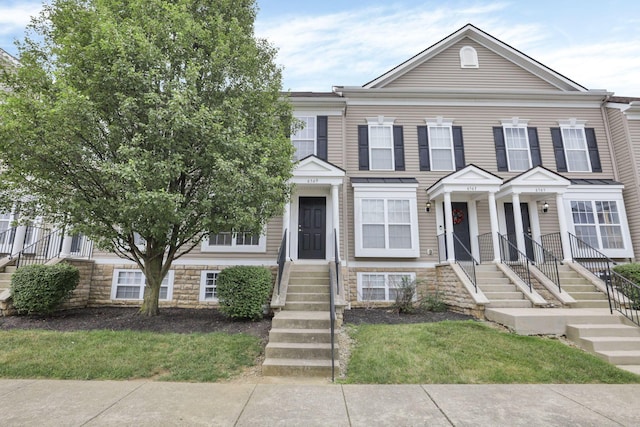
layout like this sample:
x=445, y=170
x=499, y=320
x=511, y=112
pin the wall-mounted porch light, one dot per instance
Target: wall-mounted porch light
x=427, y=206
x=545, y=207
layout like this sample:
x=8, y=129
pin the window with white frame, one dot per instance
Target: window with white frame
x=304, y=139
x=208, y=286
x=381, y=286
x=235, y=241
x=598, y=223
x=386, y=221
x=441, y=150
x=575, y=149
x=516, y=143
x=381, y=146
x=129, y=284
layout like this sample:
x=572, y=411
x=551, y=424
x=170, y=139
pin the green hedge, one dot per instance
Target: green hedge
x=630, y=272
x=41, y=289
x=243, y=291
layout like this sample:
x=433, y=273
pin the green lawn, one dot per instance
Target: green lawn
x=469, y=353
x=121, y=355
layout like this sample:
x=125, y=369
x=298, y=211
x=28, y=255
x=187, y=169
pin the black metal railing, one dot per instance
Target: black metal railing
x=623, y=294
x=334, y=285
x=42, y=250
x=6, y=240
x=545, y=261
x=466, y=261
x=485, y=244
x=552, y=242
x=515, y=260
x=81, y=247
x=282, y=258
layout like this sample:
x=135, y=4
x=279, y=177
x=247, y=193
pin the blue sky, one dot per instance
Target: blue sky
x=350, y=42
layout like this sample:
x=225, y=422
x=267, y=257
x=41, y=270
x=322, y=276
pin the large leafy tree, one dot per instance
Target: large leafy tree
x=147, y=124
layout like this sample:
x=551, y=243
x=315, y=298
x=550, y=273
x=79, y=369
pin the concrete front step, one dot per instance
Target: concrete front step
x=521, y=303
x=307, y=306
x=600, y=330
x=312, y=297
x=549, y=321
x=293, y=335
x=576, y=288
x=503, y=295
x=309, y=281
x=296, y=367
x=620, y=357
x=306, y=289
x=493, y=280
x=287, y=350
x=589, y=296
x=596, y=344
x=289, y=319
x=497, y=288
x=591, y=304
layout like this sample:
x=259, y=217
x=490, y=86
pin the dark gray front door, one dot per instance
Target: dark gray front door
x=511, y=228
x=461, y=230
x=312, y=227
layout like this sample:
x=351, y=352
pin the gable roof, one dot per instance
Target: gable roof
x=531, y=65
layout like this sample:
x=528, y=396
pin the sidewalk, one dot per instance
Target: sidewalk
x=148, y=403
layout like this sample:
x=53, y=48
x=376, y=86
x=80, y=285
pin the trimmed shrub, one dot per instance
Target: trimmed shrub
x=243, y=291
x=41, y=289
x=406, y=296
x=630, y=272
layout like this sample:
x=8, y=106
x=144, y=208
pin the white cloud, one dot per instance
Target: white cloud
x=15, y=16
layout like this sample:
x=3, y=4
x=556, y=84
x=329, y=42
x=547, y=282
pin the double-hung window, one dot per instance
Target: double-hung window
x=208, y=281
x=235, y=241
x=517, y=146
x=598, y=223
x=575, y=149
x=304, y=139
x=129, y=285
x=441, y=147
x=386, y=223
x=381, y=146
x=381, y=286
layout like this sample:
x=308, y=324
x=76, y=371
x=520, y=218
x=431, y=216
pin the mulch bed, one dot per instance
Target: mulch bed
x=189, y=320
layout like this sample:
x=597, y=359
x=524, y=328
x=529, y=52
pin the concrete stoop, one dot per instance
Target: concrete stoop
x=499, y=289
x=300, y=336
x=609, y=336
x=580, y=289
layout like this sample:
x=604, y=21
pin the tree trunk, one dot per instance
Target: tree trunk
x=154, y=279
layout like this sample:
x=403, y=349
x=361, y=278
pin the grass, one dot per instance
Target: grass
x=121, y=355
x=469, y=353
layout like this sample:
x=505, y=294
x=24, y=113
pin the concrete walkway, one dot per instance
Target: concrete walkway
x=148, y=403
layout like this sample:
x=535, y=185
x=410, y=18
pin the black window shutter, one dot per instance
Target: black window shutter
x=423, y=148
x=534, y=147
x=398, y=147
x=501, y=149
x=458, y=146
x=594, y=155
x=363, y=147
x=321, y=137
x=558, y=148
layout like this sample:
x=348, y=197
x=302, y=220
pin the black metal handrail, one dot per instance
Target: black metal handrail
x=282, y=258
x=545, y=261
x=6, y=238
x=467, y=265
x=43, y=250
x=334, y=289
x=552, y=242
x=623, y=294
x=519, y=265
x=81, y=246
x=485, y=244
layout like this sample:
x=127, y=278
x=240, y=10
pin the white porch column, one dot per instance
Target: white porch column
x=65, y=251
x=18, y=239
x=493, y=218
x=448, y=223
x=517, y=219
x=564, y=230
x=473, y=229
x=534, y=220
x=335, y=215
x=286, y=223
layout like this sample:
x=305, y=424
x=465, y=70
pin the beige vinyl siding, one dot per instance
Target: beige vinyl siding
x=335, y=142
x=494, y=72
x=626, y=146
x=477, y=128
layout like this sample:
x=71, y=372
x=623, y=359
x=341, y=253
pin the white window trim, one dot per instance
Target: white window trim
x=441, y=123
x=203, y=283
x=386, y=122
x=392, y=192
x=386, y=274
x=315, y=135
x=114, y=285
x=516, y=123
x=261, y=247
x=575, y=124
